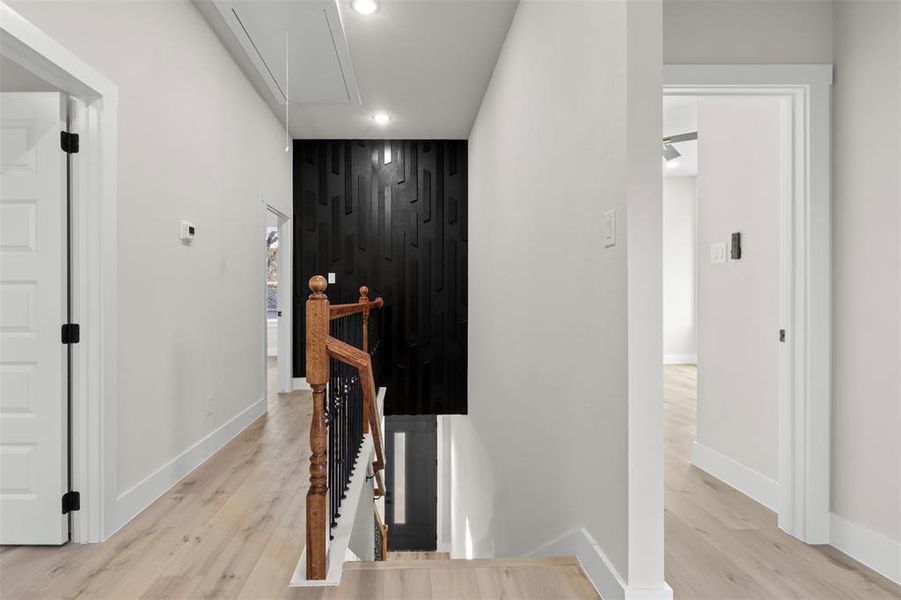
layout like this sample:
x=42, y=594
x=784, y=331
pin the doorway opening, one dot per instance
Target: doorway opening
x=746, y=284
x=37, y=332
x=411, y=500
x=725, y=193
x=82, y=289
x=277, y=305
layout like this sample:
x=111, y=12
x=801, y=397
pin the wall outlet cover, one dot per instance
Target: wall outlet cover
x=187, y=231
x=718, y=253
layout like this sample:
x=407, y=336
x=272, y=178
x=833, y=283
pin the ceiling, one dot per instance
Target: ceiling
x=680, y=115
x=424, y=62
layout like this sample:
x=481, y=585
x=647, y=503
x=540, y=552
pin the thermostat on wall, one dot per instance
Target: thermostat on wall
x=188, y=231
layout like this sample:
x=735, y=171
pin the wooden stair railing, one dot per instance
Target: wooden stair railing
x=321, y=348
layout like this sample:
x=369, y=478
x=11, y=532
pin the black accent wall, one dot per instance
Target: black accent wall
x=391, y=214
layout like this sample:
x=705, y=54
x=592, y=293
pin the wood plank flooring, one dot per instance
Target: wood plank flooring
x=414, y=555
x=722, y=545
x=436, y=579
x=234, y=528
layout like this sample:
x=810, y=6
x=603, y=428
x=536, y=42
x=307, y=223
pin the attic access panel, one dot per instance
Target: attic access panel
x=318, y=56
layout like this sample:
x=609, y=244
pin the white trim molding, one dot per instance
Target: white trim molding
x=138, y=497
x=94, y=100
x=805, y=357
x=745, y=479
x=605, y=578
x=878, y=552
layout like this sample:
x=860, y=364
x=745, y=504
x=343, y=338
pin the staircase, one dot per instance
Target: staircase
x=347, y=451
x=515, y=578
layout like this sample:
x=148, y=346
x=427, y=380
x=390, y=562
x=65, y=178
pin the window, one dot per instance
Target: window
x=271, y=272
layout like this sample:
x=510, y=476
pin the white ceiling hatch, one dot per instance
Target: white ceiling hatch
x=424, y=63
x=298, y=48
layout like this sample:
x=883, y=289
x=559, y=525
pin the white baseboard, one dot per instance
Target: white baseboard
x=880, y=553
x=138, y=497
x=300, y=383
x=600, y=571
x=746, y=480
x=680, y=359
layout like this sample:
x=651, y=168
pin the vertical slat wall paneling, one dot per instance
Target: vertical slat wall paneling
x=391, y=214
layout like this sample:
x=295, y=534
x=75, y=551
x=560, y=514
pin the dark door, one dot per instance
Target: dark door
x=411, y=502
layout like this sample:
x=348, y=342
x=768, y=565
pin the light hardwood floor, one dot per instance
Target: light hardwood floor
x=415, y=555
x=485, y=579
x=234, y=528
x=722, y=545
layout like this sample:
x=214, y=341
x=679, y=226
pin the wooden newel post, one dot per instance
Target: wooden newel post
x=364, y=300
x=317, y=377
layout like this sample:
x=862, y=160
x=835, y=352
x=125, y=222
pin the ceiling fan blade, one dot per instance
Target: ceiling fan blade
x=682, y=137
x=669, y=153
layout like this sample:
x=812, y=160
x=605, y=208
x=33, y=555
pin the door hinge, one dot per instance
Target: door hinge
x=68, y=142
x=71, y=333
x=781, y=335
x=71, y=502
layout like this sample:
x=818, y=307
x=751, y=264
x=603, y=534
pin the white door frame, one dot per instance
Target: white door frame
x=805, y=359
x=94, y=260
x=285, y=299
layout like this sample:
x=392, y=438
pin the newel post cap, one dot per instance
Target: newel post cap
x=318, y=284
x=364, y=293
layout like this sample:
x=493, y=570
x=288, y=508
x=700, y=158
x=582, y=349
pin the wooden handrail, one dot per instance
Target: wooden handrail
x=321, y=348
x=336, y=311
x=379, y=490
x=363, y=363
x=363, y=305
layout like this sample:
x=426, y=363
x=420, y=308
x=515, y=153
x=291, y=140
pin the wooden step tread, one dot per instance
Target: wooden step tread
x=454, y=563
x=529, y=578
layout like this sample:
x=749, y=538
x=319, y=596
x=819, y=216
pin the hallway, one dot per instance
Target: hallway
x=721, y=544
x=234, y=527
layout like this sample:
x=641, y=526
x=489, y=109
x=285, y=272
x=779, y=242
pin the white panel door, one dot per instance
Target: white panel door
x=33, y=427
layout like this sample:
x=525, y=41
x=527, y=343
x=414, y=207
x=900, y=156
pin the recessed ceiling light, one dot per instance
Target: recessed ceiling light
x=381, y=118
x=364, y=7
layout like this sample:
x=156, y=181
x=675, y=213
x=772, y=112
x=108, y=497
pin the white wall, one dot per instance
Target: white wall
x=866, y=453
x=195, y=142
x=545, y=449
x=747, y=31
x=862, y=39
x=739, y=190
x=680, y=339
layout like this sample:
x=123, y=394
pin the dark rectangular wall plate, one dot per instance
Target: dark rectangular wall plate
x=736, y=246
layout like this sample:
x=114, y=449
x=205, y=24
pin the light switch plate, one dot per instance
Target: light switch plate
x=610, y=228
x=331, y=278
x=718, y=253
